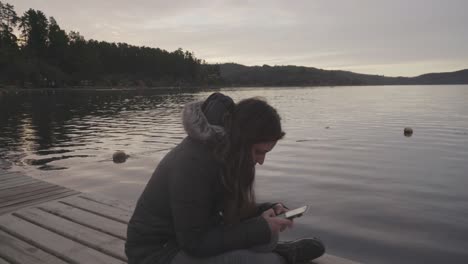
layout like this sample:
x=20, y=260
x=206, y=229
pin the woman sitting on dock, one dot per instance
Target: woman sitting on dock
x=199, y=205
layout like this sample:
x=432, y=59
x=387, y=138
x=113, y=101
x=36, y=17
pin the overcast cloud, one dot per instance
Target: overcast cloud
x=370, y=36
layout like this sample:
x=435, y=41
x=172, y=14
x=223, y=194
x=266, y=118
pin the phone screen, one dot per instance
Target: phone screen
x=294, y=213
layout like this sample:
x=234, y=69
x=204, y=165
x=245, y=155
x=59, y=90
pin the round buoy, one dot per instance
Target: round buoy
x=408, y=131
x=119, y=157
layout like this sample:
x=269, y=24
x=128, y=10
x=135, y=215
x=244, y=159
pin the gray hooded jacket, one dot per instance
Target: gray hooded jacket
x=181, y=206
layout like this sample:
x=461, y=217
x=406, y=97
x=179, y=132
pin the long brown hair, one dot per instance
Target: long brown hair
x=252, y=121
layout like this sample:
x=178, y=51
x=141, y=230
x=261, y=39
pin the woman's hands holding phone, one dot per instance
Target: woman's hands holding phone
x=279, y=208
x=276, y=224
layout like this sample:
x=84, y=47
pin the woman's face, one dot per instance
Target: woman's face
x=260, y=150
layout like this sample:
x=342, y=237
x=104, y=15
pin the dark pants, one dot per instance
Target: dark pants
x=259, y=254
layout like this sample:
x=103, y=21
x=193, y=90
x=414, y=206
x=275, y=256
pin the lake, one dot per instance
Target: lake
x=375, y=195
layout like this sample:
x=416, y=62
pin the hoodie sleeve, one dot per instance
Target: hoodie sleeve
x=192, y=191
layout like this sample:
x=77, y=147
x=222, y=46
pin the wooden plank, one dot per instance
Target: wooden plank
x=14, y=183
x=36, y=197
x=113, y=213
x=10, y=176
x=108, y=201
x=33, y=202
x=102, y=242
x=53, y=243
x=16, y=179
x=26, y=188
x=20, y=194
x=18, y=251
x=18, y=183
x=87, y=219
x=3, y=172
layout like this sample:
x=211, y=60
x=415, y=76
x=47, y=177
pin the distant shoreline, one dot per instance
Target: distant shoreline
x=13, y=89
x=20, y=90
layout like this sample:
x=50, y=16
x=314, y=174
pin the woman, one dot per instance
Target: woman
x=199, y=205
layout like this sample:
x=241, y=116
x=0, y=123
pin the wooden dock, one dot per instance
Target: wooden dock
x=45, y=223
x=18, y=191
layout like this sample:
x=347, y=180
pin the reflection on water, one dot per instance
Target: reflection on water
x=376, y=195
x=40, y=129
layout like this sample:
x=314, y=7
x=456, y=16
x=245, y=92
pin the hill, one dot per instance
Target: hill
x=241, y=75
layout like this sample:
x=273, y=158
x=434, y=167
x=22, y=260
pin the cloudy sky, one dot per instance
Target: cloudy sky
x=398, y=37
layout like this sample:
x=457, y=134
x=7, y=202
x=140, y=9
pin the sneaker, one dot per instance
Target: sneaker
x=301, y=250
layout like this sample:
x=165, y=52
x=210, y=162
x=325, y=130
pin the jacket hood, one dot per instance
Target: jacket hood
x=197, y=126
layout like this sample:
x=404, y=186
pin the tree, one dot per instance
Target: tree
x=8, y=20
x=34, y=31
x=82, y=59
x=8, y=43
x=57, y=42
x=49, y=57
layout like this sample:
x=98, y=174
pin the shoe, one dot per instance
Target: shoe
x=301, y=250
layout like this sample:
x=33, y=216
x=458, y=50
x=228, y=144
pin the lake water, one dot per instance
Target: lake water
x=376, y=196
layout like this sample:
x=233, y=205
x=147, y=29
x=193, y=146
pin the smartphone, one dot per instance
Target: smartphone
x=291, y=214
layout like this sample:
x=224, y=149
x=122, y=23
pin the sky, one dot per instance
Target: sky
x=391, y=38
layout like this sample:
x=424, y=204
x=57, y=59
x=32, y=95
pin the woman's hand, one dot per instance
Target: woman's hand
x=277, y=224
x=279, y=209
